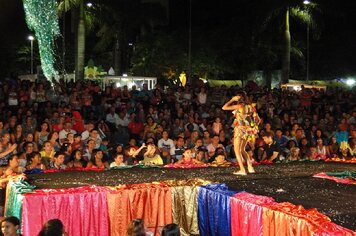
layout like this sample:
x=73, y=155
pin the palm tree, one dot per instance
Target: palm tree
x=302, y=14
x=83, y=20
x=121, y=23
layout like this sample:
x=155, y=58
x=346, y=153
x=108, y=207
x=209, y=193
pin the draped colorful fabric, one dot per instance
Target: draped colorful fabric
x=14, y=191
x=150, y=202
x=214, y=209
x=200, y=208
x=185, y=209
x=346, y=177
x=247, y=213
x=278, y=218
x=351, y=160
x=83, y=210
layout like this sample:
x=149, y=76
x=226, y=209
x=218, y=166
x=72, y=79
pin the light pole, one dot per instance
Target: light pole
x=306, y=3
x=31, y=38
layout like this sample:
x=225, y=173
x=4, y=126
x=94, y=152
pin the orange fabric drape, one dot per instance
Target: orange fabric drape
x=150, y=202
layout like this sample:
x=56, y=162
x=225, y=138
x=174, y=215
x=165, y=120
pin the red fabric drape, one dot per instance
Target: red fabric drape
x=83, y=211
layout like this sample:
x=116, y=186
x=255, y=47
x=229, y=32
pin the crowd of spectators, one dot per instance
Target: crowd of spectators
x=81, y=125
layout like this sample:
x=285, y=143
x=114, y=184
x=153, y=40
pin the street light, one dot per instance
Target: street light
x=31, y=38
x=306, y=3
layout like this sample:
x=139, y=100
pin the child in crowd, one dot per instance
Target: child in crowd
x=118, y=160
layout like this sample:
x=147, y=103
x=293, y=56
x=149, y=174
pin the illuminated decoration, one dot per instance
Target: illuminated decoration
x=93, y=72
x=350, y=82
x=183, y=78
x=42, y=18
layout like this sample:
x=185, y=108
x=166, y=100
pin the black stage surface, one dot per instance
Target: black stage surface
x=292, y=182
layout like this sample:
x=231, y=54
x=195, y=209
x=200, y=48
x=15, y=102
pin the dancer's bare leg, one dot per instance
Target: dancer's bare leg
x=237, y=149
x=246, y=156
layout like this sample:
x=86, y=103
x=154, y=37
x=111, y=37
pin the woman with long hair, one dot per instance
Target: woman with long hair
x=245, y=128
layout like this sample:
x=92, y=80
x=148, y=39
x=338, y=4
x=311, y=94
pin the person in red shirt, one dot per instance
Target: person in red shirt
x=135, y=126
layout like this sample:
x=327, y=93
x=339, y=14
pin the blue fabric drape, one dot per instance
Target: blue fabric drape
x=214, y=210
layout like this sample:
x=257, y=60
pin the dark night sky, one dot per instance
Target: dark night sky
x=337, y=43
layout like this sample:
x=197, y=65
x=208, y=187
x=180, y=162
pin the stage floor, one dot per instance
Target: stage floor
x=291, y=182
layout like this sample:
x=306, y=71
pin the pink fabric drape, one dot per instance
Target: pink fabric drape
x=83, y=211
x=247, y=213
x=336, y=179
x=150, y=202
x=258, y=215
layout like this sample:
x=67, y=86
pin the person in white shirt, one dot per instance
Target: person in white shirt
x=64, y=132
x=86, y=134
x=94, y=136
x=112, y=117
x=166, y=147
x=118, y=160
x=123, y=119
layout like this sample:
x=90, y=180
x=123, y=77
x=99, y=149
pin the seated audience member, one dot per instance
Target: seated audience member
x=66, y=149
x=118, y=160
x=34, y=161
x=47, y=153
x=303, y=147
x=294, y=154
x=179, y=148
x=133, y=154
x=166, y=147
x=352, y=145
x=13, y=167
x=344, y=151
x=220, y=161
x=97, y=160
x=322, y=149
x=280, y=138
x=53, y=227
x=53, y=139
x=187, y=159
x=77, y=160
x=312, y=154
x=333, y=147
x=214, y=145
x=57, y=162
x=88, y=151
x=170, y=230
x=151, y=156
x=77, y=142
x=6, y=151
x=290, y=144
x=271, y=148
x=200, y=155
x=10, y=225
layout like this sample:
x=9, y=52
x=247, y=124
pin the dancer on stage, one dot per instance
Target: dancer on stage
x=245, y=128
